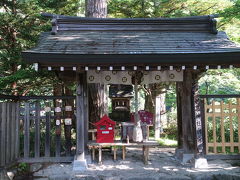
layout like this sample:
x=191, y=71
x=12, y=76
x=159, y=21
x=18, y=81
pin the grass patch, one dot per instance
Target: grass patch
x=167, y=142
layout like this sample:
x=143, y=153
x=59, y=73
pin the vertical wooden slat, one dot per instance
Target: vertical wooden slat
x=0, y=135
x=47, y=133
x=58, y=130
x=238, y=114
x=8, y=138
x=214, y=128
x=222, y=128
x=67, y=131
x=26, y=130
x=206, y=125
x=37, y=131
x=13, y=129
x=17, y=130
x=231, y=127
x=3, y=127
x=2, y=138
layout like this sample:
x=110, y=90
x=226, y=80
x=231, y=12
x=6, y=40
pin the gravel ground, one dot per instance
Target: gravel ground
x=162, y=165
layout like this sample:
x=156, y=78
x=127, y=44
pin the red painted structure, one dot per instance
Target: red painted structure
x=105, y=130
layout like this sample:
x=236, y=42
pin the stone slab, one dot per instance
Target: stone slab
x=79, y=165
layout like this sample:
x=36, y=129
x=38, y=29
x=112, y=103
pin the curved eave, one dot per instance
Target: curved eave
x=55, y=59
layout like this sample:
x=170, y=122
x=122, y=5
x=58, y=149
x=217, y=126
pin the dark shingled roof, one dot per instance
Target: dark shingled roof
x=91, y=41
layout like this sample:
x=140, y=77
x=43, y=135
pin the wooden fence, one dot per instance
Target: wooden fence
x=9, y=132
x=222, y=125
x=47, y=131
x=37, y=129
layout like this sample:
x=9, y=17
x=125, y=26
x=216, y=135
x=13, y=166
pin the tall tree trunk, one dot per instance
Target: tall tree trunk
x=156, y=94
x=13, y=46
x=97, y=9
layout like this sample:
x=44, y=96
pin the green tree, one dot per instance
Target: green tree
x=20, y=26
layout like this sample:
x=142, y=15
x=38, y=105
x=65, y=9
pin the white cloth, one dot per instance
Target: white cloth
x=151, y=77
x=125, y=77
x=109, y=77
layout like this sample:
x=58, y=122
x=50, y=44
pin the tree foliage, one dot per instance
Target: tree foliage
x=20, y=26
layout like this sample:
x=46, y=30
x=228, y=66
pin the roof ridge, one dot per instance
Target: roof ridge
x=182, y=24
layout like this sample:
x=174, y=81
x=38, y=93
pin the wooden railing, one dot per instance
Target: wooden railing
x=222, y=124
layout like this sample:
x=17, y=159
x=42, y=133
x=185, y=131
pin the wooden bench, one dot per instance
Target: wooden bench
x=92, y=145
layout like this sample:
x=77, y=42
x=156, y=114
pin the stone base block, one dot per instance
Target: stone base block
x=79, y=165
x=201, y=163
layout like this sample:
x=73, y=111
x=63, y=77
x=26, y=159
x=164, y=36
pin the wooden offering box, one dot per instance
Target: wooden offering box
x=105, y=130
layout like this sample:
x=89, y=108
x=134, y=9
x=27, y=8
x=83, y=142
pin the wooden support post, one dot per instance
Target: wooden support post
x=26, y=130
x=37, y=131
x=214, y=128
x=2, y=133
x=203, y=125
x=231, y=128
x=58, y=125
x=114, y=153
x=137, y=130
x=47, y=134
x=93, y=153
x=188, y=112
x=86, y=113
x=13, y=130
x=157, y=126
x=145, y=154
x=17, y=130
x=100, y=155
x=148, y=129
x=67, y=127
x=93, y=135
x=197, y=118
x=8, y=128
x=222, y=128
x=179, y=114
x=238, y=115
x=80, y=118
x=206, y=127
x=123, y=152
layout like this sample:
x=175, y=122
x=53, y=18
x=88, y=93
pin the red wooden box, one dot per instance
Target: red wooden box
x=105, y=130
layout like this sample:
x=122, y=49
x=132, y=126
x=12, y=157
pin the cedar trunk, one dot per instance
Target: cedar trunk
x=96, y=9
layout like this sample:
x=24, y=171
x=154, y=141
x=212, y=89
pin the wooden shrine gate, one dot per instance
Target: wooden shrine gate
x=222, y=124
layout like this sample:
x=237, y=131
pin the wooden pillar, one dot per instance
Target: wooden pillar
x=137, y=130
x=198, y=118
x=136, y=102
x=157, y=125
x=80, y=117
x=186, y=110
x=86, y=111
x=179, y=114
